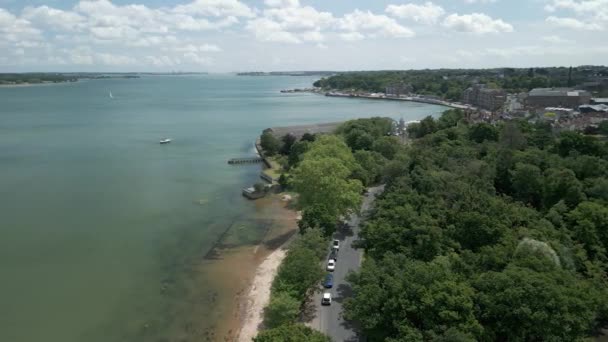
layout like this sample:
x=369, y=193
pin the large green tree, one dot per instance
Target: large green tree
x=282, y=309
x=291, y=333
x=270, y=143
x=520, y=304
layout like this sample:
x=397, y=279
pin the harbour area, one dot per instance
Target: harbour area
x=417, y=98
x=428, y=99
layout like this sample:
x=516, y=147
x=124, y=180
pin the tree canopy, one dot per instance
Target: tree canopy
x=487, y=233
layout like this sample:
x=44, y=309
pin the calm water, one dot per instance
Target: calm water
x=100, y=225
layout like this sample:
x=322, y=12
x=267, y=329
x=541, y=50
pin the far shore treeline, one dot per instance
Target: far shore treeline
x=449, y=84
x=484, y=232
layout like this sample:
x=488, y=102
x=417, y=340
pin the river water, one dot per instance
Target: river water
x=103, y=231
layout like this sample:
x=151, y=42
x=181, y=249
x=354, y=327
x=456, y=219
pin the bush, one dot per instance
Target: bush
x=283, y=308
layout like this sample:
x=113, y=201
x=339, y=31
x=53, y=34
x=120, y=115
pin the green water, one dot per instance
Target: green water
x=102, y=230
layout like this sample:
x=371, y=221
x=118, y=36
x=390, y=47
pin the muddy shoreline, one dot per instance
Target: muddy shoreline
x=235, y=268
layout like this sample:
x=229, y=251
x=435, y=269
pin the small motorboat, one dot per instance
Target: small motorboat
x=165, y=141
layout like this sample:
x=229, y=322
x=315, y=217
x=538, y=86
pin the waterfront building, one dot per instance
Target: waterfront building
x=398, y=89
x=557, y=97
x=484, y=98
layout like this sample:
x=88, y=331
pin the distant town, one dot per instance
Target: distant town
x=567, y=98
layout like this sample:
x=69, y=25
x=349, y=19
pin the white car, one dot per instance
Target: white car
x=335, y=244
x=326, y=300
x=331, y=265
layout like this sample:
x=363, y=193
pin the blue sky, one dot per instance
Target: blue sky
x=237, y=35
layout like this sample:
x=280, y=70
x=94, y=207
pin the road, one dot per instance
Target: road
x=329, y=319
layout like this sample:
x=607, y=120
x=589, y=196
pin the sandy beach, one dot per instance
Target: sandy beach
x=259, y=295
x=245, y=274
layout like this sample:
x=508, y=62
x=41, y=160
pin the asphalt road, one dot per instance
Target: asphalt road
x=329, y=319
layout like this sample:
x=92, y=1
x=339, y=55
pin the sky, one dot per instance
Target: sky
x=287, y=35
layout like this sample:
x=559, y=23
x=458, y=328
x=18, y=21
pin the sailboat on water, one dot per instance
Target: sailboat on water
x=111, y=96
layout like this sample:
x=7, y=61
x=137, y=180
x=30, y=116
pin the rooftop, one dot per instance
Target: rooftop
x=558, y=92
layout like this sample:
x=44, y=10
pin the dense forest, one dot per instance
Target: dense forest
x=34, y=78
x=450, y=83
x=487, y=233
x=484, y=233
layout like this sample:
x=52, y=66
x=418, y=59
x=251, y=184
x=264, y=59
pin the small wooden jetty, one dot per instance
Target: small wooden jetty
x=251, y=160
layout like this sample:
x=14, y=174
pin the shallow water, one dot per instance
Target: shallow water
x=104, y=232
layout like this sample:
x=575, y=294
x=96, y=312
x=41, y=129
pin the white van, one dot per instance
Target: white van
x=326, y=300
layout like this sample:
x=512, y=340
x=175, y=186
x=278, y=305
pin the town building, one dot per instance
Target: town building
x=557, y=97
x=598, y=100
x=485, y=98
x=398, y=89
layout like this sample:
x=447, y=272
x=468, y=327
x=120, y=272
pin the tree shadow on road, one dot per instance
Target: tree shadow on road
x=344, y=231
x=309, y=308
x=344, y=292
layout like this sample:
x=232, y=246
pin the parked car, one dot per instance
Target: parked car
x=335, y=244
x=333, y=255
x=326, y=300
x=331, y=265
x=329, y=281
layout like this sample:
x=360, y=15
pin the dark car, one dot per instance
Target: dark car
x=333, y=255
x=328, y=283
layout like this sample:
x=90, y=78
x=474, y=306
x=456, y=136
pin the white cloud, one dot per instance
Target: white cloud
x=114, y=60
x=162, y=61
x=216, y=8
x=352, y=36
x=572, y=23
x=479, y=1
x=589, y=15
x=267, y=30
x=14, y=29
x=478, y=23
x=54, y=18
x=197, y=48
x=197, y=58
x=428, y=13
x=581, y=7
x=282, y=3
x=287, y=22
x=555, y=40
x=373, y=24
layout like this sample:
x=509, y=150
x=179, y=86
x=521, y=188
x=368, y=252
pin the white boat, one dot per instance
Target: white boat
x=165, y=141
x=111, y=96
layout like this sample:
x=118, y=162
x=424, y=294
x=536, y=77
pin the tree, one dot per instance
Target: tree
x=589, y=225
x=319, y=216
x=511, y=136
x=325, y=182
x=426, y=300
x=299, y=271
x=561, y=184
x=527, y=182
x=524, y=305
x=575, y=142
x=425, y=127
x=332, y=146
x=359, y=140
x=282, y=309
x=386, y=146
x=450, y=118
x=314, y=240
x=288, y=141
x=603, y=127
x=270, y=143
x=308, y=137
x=482, y=131
x=371, y=167
x=291, y=333
x=297, y=151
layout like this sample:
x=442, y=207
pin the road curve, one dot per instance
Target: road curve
x=329, y=319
